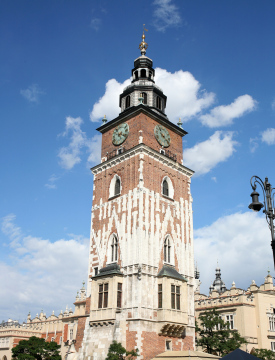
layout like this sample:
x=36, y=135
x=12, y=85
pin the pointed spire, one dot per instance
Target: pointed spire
x=104, y=120
x=143, y=45
x=180, y=123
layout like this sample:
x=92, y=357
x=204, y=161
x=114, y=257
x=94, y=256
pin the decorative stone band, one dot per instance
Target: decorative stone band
x=172, y=330
x=142, y=149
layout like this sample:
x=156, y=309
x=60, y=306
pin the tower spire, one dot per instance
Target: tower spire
x=143, y=45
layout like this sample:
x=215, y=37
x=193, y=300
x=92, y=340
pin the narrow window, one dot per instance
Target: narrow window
x=71, y=334
x=119, y=295
x=167, y=250
x=158, y=102
x=60, y=340
x=165, y=188
x=143, y=73
x=52, y=339
x=150, y=74
x=114, y=249
x=100, y=296
x=168, y=345
x=272, y=345
x=136, y=75
x=105, y=296
x=173, y=296
x=144, y=95
x=127, y=101
x=96, y=271
x=117, y=186
x=160, y=296
x=178, y=297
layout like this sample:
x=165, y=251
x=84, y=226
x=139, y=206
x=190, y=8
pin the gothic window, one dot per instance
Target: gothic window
x=165, y=188
x=143, y=73
x=158, y=102
x=175, y=297
x=103, y=296
x=167, y=250
x=127, y=101
x=114, y=249
x=119, y=295
x=117, y=186
x=144, y=95
x=159, y=296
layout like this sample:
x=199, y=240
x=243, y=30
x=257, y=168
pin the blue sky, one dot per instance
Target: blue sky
x=62, y=67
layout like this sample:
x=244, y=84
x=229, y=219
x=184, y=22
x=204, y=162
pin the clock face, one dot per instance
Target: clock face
x=162, y=136
x=120, y=134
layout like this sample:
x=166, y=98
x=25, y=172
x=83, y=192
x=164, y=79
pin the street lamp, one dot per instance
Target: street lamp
x=268, y=205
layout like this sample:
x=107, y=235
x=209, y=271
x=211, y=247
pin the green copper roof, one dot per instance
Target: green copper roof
x=171, y=272
x=113, y=269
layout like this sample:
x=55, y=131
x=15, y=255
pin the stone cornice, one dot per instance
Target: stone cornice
x=142, y=149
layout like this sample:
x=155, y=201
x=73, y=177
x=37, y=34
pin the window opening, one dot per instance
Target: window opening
x=114, y=249
x=168, y=345
x=60, y=340
x=167, y=250
x=144, y=95
x=117, y=186
x=119, y=295
x=159, y=296
x=230, y=321
x=71, y=334
x=136, y=75
x=158, y=102
x=103, y=296
x=272, y=345
x=127, y=101
x=96, y=271
x=165, y=188
x=175, y=297
x=143, y=73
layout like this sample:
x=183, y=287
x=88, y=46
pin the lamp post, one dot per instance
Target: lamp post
x=268, y=205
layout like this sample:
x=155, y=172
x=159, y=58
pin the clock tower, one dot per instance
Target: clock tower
x=141, y=265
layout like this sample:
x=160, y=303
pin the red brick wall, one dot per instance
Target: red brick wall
x=146, y=124
x=131, y=339
x=80, y=332
x=65, y=334
x=153, y=344
x=88, y=305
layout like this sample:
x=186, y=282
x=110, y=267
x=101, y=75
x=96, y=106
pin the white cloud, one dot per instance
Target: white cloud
x=108, y=104
x=71, y=155
x=165, y=15
x=206, y=155
x=253, y=142
x=94, y=150
x=51, y=184
x=241, y=243
x=45, y=274
x=32, y=93
x=185, y=98
x=95, y=23
x=268, y=136
x=225, y=114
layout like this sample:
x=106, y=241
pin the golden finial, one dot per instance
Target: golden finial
x=143, y=45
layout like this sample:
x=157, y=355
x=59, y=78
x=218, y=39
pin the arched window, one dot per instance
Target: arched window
x=165, y=188
x=158, y=102
x=144, y=95
x=127, y=101
x=143, y=73
x=136, y=75
x=150, y=74
x=114, y=249
x=167, y=250
x=117, y=186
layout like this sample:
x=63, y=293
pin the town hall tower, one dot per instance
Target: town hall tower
x=141, y=265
